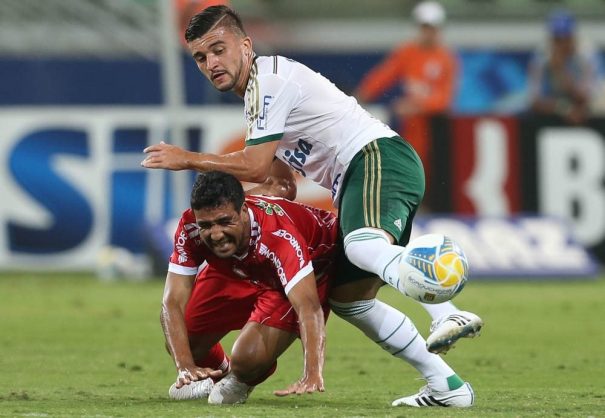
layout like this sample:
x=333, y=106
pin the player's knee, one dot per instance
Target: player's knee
x=363, y=245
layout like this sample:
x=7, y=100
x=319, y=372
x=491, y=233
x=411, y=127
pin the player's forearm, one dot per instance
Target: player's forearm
x=312, y=334
x=175, y=333
x=234, y=163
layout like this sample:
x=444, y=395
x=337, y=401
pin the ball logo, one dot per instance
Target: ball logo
x=434, y=269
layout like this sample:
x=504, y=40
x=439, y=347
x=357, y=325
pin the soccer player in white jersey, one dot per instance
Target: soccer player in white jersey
x=377, y=181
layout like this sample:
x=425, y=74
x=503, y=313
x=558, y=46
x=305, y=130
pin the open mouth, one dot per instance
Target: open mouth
x=216, y=76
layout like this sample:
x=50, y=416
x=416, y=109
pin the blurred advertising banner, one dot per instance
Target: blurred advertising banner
x=517, y=246
x=72, y=183
x=498, y=166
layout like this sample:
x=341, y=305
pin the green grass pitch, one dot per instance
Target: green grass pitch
x=73, y=346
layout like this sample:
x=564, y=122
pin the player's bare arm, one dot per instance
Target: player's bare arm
x=303, y=297
x=177, y=291
x=251, y=164
x=281, y=182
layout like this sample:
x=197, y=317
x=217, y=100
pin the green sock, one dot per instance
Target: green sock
x=454, y=382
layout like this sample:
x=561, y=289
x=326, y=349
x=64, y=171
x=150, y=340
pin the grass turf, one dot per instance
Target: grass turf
x=74, y=346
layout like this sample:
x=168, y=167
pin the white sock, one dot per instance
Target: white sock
x=439, y=310
x=370, y=250
x=395, y=333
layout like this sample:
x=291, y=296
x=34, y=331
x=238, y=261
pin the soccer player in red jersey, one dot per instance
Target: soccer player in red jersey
x=256, y=263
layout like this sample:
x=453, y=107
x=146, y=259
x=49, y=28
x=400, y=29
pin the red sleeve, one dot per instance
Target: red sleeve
x=383, y=76
x=186, y=254
x=287, y=252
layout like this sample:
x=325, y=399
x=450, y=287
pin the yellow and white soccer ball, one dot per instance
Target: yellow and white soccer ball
x=433, y=269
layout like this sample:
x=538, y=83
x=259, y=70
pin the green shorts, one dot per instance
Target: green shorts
x=382, y=188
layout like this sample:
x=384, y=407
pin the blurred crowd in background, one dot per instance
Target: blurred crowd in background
x=474, y=85
x=47, y=48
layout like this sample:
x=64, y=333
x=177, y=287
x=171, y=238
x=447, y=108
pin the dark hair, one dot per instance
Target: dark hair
x=208, y=18
x=216, y=188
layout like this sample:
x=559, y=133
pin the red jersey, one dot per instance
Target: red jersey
x=287, y=241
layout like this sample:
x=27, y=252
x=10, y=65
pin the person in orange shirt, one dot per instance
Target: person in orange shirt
x=427, y=70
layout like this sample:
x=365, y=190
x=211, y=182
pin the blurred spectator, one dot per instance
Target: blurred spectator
x=563, y=75
x=426, y=69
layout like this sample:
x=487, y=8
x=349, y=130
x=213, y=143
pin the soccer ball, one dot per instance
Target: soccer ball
x=433, y=269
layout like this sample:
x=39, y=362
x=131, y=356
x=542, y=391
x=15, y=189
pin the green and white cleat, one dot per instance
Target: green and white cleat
x=463, y=397
x=446, y=330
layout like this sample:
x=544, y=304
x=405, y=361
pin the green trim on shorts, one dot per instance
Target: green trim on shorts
x=382, y=188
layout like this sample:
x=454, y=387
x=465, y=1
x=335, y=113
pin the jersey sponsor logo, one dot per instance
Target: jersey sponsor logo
x=261, y=120
x=282, y=233
x=270, y=208
x=279, y=269
x=297, y=158
x=180, y=247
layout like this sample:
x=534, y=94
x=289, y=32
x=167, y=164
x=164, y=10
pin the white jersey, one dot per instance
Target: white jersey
x=319, y=128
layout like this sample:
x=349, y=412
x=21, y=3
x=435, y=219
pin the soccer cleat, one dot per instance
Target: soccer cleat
x=199, y=389
x=463, y=397
x=229, y=391
x=446, y=330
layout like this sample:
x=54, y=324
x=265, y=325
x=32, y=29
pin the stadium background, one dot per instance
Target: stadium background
x=85, y=85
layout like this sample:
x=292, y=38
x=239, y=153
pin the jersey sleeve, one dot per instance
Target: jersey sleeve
x=269, y=108
x=286, y=251
x=186, y=254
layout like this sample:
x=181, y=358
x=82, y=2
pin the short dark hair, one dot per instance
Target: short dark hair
x=216, y=188
x=208, y=18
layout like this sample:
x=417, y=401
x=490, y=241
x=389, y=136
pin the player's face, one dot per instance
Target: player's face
x=222, y=55
x=224, y=230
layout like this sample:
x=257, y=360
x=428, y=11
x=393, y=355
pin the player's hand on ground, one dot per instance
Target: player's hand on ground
x=165, y=156
x=305, y=385
x=186, y=375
